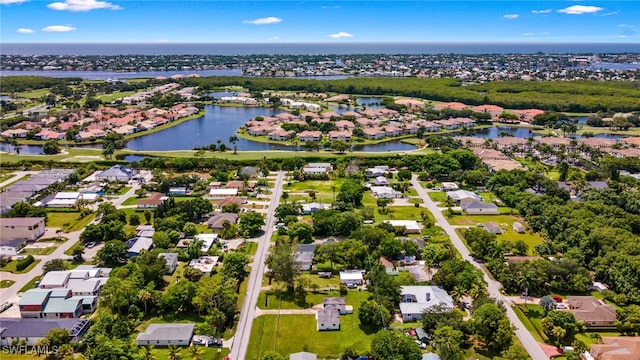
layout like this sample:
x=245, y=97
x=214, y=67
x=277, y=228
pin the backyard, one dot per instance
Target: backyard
x=72, y=220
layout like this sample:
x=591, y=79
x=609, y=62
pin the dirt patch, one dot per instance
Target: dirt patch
x=81, y=158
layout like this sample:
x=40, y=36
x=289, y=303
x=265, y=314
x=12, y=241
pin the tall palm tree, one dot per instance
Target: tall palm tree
x=195, y=353
x=144, y=296
x=174, y=352
x=233, y=139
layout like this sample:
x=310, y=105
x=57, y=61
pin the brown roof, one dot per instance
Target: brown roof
x=617, y=348
x=216, y=221
x=590, y=309
x=386, y=262
x=231, y=200
x=154, y=199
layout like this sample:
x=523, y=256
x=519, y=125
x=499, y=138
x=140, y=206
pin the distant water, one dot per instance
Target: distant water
x=103, y=75
x=314, y=48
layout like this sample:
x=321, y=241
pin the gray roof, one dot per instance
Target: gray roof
x=170, y=258
x=329, y=316
x=61, y=305
x=310, y=248
x=116, y=171
x=173, y=332
x=303, y=356
x=217, y=220
x=598, y=184
x=55, y=278
x=82, y=286
x=22, y=328
x=12, y=242
x=334, y=301
x=139, y=244
x=475, y=204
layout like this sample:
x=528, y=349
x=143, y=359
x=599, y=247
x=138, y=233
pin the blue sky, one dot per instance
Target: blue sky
x=210, y=21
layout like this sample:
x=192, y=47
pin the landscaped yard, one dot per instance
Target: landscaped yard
x=31, y=284
x=279, y=299
x=133, y=200
x=205, y=353
x=57, y=219
x=6, y=283
x=11, y=267
x=402, y=213
x=38, y=251
x=438, y=196
x=288, y=334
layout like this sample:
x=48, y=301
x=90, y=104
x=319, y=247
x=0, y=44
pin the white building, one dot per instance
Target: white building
x=166, y=334
x=385, y=192
x=416, y=299
x=204, y=264
x=222, y=193
x=352, y=277
x=328, y=320
x=409, y=226
x=207, y=241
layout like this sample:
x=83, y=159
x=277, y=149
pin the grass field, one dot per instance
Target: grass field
x=6, y=283
x=107, y=98
x=38, y=251
x=438, y=196
x=133, y=200
x=31, y=284
x=11, y=267
x=506, y=223
x=185, y=353
x=288, y=334
x=59, y=219
x=531, y=317
x=401, y=213
x=280, y=299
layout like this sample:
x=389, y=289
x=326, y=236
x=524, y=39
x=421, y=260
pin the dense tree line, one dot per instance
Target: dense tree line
x=576, y=96
x=12, y=84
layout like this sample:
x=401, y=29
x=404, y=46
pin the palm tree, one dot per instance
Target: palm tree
x=234, y=141
x=195, y=353
x=146, y=353
x=174, y=352
x=144, y=296
x=559, y=333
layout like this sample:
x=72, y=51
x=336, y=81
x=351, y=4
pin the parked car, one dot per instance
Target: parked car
x=352, y=286
x=421, y=344
x=90, y=244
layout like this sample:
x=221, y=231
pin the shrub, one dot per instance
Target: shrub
x=24, y=263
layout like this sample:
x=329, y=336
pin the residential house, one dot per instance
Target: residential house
x=303, y=356
x=450, y=105
x=519, y=228
x=207, y=241
x=31, y=331
x=449, y=186
x=345, y=125
x=460, y=196
x=492, y=227
x=49, y=135
x=476, y=207
x=385, y=192
x=310, y=136
x=352, y=277
x=374, y=133
x=494, y=110
x=204, y=264
x=222, y=193
x=431, y=356
x=592, y=311
x=304, y=256
x=616, y=348
x=510, y=142
x=408, y=226
x=527, y=115
x=231, y=200
x=381, y=181
x=376, y=171
x=337, y=303
x=344, y=135
x=216, y=222
x=177, y=191
x=171, y=261
x=317, y=168
x=50, y=303
x=166, y=334
x=416, y=299
x=310, y=208
x=327, y=320
x=138, y=244
x=281, y=135
x=152, y=202
x=248, y=172
x=11, y=247
x=117, y=173
x=22, y=228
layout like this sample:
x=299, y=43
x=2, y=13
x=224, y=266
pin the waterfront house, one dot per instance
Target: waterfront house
x=344, y=135
x=310, y=136
x=374, y=133
x=281, y=135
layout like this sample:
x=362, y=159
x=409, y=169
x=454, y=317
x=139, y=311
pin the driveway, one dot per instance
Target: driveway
x=241, y=339
x=525, y=337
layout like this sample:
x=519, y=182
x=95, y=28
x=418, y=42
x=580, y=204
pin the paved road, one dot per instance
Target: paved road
x=11, y=293
x=525, y=337
x=248, y=313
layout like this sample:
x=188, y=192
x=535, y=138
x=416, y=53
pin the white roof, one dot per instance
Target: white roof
x=69, y=202
x=68, y=195
x=204, y=263
x=426, y=297
x=383, y=190
x=463, y=194
x=207, y=240
x=142, y=243
x=351, y=275
x=408, y=224
x=55, y=278
x=89, y=196
x=225, y=192
x=314, y=169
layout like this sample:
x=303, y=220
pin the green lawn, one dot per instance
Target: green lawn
x=531, y=320
x=11, y=267
x=488, y=197
x=31, y=284
x=107, y=98
x=288, y=334
x=402, y=213
x=6, y=283
x=38, y=251
x=133, y=200
x=279, y=299
x=323, y=186
x=439, y=196
x=205, y=353
x=57, y=219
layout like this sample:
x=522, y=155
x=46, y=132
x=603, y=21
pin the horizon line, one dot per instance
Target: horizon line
x=323, y=42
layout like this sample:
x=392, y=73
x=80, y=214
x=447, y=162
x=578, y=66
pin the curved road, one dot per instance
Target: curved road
x=525, y=337
x=248, y=313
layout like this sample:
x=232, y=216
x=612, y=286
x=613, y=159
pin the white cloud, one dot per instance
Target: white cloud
x=264, y=21
x=622, y=36
x=626, y=26
x=7, y=2
x=58, y=28
x=611, y=13
x=511, y=16
x=528, y=34
x=545, y=11
x=82, y=5
x=580, y=9
x=25, y=31
x=273, y=38
x=331, y=7
x=340, y=35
